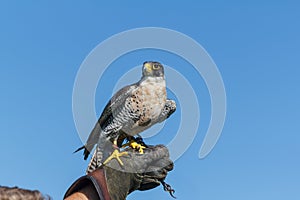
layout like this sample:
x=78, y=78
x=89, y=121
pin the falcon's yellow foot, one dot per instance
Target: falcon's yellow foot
x=133, y=144
x=116, y=154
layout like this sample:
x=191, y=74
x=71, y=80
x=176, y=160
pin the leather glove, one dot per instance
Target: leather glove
x=139, y=172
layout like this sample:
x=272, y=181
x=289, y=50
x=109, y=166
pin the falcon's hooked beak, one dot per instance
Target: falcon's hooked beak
x=147, y=68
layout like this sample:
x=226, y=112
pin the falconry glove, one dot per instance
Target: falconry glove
x=139, y=172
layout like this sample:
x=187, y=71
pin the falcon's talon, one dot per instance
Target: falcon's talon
x=116, y=154
x=137, y=146
x=133, y=144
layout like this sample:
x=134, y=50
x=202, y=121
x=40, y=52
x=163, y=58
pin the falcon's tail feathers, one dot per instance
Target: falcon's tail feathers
x=95, y=161
x=80, y=148
x=86, y=152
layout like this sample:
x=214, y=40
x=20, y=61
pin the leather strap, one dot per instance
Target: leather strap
x=96, y=179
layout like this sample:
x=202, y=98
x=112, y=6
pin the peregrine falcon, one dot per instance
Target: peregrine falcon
x=130, y=111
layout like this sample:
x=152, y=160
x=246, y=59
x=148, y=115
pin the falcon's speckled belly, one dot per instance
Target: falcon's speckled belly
x=147, y=102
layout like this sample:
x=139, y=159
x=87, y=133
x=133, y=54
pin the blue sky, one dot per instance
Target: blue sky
x=254, y=44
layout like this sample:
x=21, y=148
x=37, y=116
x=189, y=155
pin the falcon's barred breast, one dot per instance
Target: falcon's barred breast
x=132, y=110
x=147, y=102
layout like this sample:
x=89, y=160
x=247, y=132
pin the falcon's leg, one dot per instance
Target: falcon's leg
x=116, y=154
x=140, y=141
x=136, y=143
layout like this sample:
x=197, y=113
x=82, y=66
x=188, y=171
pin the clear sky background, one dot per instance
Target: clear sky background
x=255, y=45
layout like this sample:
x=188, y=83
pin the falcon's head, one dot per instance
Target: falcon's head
x=154, y=69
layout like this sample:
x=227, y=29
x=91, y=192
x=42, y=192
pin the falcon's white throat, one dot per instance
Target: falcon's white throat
x=154, y=90
x=160, y=81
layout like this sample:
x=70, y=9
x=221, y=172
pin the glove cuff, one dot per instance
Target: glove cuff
x=96, y=180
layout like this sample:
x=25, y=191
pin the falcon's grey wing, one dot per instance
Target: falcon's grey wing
x=113, y=106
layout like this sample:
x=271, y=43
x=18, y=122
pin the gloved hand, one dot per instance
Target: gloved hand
x=139, y=172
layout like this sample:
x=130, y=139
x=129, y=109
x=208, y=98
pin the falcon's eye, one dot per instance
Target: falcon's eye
x=156, y=66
